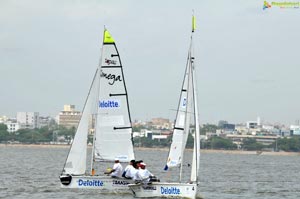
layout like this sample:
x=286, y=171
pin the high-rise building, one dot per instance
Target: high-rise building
x=69, y=117
x=28, y=120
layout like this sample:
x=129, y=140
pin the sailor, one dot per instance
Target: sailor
x=129, y=171
x=137, y=164
x=117, y=169
x=143, y=175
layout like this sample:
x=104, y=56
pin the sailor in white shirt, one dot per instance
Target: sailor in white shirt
x=117, y=170
x=129, y=171
x=143, y=174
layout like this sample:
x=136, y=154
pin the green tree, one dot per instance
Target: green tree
x=208, y=128
x=4, y=135
x=222, y=143
x=190, y=141
x=291, y=144
x=251, y=144
x=68, y=133
x=3, y=127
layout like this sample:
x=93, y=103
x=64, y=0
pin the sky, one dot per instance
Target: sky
x=247, y=58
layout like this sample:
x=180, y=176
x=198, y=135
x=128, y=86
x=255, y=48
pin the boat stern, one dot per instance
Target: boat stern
x=164, y=190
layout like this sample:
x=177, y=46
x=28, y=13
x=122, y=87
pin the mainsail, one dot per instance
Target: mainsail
x=113, y=133
x=107, y=102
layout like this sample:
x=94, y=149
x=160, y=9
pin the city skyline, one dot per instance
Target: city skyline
x=246, y=57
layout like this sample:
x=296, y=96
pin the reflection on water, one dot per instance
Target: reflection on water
x=32, y=172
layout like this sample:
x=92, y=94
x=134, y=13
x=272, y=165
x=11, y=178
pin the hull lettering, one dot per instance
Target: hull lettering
x=170, y=190
x=90, y=183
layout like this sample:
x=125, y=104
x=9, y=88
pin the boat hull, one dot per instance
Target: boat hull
x=102, y=183
x=164, y=190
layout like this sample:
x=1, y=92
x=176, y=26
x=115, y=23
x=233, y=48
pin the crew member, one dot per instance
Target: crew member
x=117, y=170
x=129, y=171
x=143, y=174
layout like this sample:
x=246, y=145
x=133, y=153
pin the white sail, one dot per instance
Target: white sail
x=76, y=160
x=182, y=123
x=113, y=127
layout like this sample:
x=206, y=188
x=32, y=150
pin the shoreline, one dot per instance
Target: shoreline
x=281, y=153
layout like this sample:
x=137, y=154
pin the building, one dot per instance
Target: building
x=28, y=120
x=265, y=140
x=69, y=117
x=3, y=119
x=45, y=121
x=295, y=129
x=12, y=126
x=161, y=123
x=252, y=124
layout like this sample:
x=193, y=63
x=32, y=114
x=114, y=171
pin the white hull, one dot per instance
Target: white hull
x=102, y=183
x=164, y=190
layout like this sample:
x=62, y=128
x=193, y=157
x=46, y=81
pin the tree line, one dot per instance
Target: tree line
x=44, y=134
x=53, y=132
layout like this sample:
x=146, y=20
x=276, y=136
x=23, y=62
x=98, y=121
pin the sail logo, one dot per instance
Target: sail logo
x=112, y=78
x=169, y=191
x=109, y=62
x=173, y=163
x=107, y=104
x=90, y=183
x=122, y=157
x=183, y=104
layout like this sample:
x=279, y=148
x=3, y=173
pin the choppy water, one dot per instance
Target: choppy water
x=31, y=172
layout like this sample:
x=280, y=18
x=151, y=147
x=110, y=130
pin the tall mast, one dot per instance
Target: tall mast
x=196, y=151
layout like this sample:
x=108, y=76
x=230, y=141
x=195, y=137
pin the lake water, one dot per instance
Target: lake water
x=32, y=172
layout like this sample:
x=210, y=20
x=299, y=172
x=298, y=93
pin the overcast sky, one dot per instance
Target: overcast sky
x=248, y=61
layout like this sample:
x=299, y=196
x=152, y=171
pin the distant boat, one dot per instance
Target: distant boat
x=186, y=113
x=107, y=107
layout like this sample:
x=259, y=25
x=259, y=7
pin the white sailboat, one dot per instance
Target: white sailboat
x=107, y=107
x=186, y=113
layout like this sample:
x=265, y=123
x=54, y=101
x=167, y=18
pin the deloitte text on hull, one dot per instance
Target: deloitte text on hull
x=90, y=183
x=169, y=190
